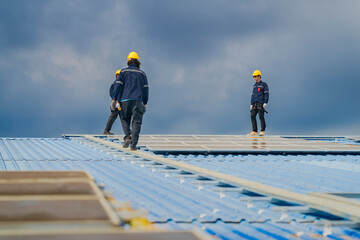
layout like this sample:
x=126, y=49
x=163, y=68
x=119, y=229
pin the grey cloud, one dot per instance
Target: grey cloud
x=18, y=25
x=195, y=29
x=198, y=56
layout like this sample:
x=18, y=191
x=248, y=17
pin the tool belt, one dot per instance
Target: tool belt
x=258, y=106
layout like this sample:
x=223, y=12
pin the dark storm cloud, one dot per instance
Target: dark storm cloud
x=58, y=60
x=18, y=24
x=192, y=29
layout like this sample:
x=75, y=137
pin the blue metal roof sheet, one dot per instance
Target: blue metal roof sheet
x=270, y=230
x=298, y=173
x=170, y=198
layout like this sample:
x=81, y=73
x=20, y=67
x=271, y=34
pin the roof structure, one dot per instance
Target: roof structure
x=231, y=187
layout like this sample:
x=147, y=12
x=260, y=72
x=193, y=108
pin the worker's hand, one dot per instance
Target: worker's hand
x=112, y=105
x=117, y=105
x=251, y=107
x=264, y=105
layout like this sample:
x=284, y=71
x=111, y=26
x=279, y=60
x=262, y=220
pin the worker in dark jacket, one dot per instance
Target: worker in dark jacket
x=114, y=112
x=259, y=100
x=131, y=92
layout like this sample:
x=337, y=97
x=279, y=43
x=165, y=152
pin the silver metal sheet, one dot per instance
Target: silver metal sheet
x=241, y=143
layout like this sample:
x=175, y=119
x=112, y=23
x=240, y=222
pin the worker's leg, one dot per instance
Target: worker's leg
x=138, y=113
x=125, y=112
x=111, y=120
x=253, y=119
x=119, y=112
x=262, y=120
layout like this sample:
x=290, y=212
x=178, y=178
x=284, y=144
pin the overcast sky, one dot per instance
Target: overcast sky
x=58, y=59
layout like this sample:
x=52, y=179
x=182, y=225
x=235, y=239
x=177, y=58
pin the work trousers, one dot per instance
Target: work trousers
x=111, y=120
x=132, y=112
x=258, y=109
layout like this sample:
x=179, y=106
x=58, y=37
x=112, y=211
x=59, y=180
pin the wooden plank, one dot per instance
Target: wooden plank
x=328, y=205
x=69, y=207
x=47, y=197
x=105, y=235
x=56, y=192
x=44, y=180
x=45, y=188
x=43, y=174
x=48, y=226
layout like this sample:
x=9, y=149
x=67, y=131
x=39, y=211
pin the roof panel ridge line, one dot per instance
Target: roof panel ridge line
x=327, y=205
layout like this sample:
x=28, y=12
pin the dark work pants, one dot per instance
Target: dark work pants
x=111, y=120
x=254, y=112
x=132, y=113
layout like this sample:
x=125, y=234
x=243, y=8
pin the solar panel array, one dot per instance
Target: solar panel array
x=241, y=144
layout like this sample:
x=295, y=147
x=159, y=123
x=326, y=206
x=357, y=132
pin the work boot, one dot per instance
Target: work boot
x=133, y=148
x=127, y=142
x=106, y=132
x=262, y=133
x=252, y=133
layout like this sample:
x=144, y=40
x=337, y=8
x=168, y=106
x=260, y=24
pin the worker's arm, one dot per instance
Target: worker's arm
x=266, y=93
x=118, y=88
x=252, y=97
x=146, y=90
x=111, y=90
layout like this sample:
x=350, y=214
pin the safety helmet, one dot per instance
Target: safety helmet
x=257, y=73
x=117, y=72
x=133, y=55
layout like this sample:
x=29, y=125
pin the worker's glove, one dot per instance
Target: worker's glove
x=264, y=105
x=117, y=105
x=112, y=105
x=251, y=107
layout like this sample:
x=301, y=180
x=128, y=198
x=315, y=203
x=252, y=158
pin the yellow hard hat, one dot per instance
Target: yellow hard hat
x=133, y=55
x=117, y=72
x=257, y=73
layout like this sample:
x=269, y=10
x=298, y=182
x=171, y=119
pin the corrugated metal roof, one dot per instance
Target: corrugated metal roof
x=299, y=173
x=270, y=230
x=177, y=200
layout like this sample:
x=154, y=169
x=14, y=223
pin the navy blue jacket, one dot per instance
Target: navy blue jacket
x=260, y=93
x=111, y=90
x=131, y=84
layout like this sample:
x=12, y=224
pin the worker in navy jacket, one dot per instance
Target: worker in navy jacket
x=259, y=100
x=131, y=92
x=114, y=112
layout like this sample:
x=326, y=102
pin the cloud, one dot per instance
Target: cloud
x=59, y=58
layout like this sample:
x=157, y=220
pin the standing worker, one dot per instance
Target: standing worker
x=259, y=100
x=131, y=93
x=114, y=111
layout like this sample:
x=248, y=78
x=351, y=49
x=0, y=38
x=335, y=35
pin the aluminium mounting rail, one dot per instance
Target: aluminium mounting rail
x=332, y=206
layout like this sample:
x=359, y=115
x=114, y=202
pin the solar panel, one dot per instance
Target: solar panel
x=242, y=144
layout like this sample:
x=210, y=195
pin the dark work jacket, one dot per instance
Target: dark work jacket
x=260, y=93
x=131, y=84
x=111, y=90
